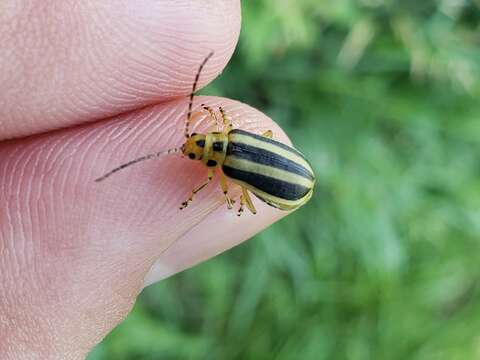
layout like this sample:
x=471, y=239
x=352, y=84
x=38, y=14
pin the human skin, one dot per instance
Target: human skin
x=84, y=87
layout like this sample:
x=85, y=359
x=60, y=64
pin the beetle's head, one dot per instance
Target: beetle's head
x=193, y=147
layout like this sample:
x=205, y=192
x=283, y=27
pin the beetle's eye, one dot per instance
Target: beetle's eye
x=191, y=156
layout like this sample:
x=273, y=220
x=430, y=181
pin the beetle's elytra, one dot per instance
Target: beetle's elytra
x=276, y=173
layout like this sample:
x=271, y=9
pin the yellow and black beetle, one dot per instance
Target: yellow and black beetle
x=276, y=173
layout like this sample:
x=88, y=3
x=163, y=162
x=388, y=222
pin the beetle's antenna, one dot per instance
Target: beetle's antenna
x=194, y=88
x=142, y=158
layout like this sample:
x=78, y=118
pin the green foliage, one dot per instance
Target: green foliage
x=383, y=97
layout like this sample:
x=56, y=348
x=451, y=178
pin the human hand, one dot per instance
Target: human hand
x=86, y=86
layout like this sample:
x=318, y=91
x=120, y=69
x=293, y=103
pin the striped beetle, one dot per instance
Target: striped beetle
x=276, y=173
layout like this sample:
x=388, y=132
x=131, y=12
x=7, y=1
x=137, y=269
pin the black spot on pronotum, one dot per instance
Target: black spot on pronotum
x=200, y=143
x=217, y=146
x=191, y=156
x=211, y=163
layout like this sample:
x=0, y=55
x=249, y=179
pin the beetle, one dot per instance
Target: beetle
x=274, y=172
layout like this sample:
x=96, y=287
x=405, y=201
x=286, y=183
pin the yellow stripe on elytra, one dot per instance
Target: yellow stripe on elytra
x=266, y=170
x=281, y=203
x=245, y=139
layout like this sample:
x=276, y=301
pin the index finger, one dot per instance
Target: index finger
x=65, y=63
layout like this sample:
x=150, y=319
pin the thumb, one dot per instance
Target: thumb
x=74, y=253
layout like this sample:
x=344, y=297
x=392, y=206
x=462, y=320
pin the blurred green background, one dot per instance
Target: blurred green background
x=384, y=99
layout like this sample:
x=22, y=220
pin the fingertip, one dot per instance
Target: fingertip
x=219, y=231
x=92, y=243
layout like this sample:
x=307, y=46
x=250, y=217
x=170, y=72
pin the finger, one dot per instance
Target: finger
x=219, y=231
x=69, y=62
x=80, y=250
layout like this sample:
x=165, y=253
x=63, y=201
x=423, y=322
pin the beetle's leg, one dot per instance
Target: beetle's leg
x=224, y=186
x=227, y=121
x=268, y=134
x=248, y=201
x=242, y=203
x=212, y=114
x=197, y=189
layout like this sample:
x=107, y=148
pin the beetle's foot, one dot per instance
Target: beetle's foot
x=240, y=209
x=185, y=204
x=229, y=201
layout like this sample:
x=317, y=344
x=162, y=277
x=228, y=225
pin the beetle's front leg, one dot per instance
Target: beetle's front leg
x=197, y=189
x=212, y=114
x=224, y=186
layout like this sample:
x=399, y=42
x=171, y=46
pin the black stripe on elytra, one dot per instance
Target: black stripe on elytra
x=265, y=157
x=270, y=141
x=279, y=188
